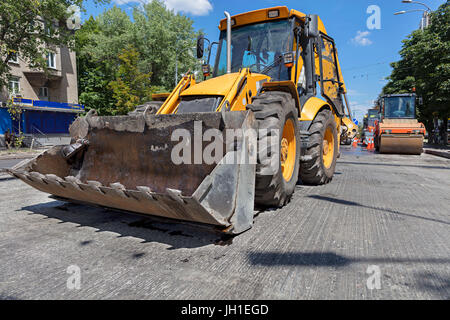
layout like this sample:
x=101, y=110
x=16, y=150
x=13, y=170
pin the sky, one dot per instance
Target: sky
x=365, y=46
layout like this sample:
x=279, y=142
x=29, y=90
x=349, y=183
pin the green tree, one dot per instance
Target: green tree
x=98, y=45
x=161, y=36
x=33, y=28
x=131, y=86
x=156, y=33
x=425, y=65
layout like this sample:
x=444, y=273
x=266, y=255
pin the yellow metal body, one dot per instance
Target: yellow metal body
x=238, y=88
x=352, y=128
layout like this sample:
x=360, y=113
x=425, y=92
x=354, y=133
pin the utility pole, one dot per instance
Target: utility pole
x=176, y=68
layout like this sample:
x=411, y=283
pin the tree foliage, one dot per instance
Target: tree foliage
x=31, y=29
x=425, y=65
x=157, y=35
x=131, y=86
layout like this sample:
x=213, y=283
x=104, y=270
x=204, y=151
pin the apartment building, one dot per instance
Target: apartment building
x=48, y=101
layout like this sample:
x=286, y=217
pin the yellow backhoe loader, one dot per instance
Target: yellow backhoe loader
x=348, y=128
x=260, y=101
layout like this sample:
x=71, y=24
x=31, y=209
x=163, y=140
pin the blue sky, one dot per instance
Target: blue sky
x=364, y=54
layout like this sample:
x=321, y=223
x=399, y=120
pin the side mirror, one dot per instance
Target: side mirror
x=200, y=46
x=249, y=46
x=313, y=26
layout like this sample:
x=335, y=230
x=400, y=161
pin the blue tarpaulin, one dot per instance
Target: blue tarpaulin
x=47, y=122
x=5, y=121
x=40, y=117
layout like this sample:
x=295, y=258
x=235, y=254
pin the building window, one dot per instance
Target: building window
x=51, y=60
x=14, y=87
x=43, y=92
x=47, y=28
x=14, y=57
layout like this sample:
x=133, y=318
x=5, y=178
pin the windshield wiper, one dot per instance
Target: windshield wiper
x=273, y=64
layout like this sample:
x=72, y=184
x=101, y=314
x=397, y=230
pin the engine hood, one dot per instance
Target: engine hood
x=218, y=86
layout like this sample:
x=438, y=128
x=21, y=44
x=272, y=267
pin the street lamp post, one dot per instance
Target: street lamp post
x=416, y=2
x=176, y=63
x=425, y=22
x=425, y=19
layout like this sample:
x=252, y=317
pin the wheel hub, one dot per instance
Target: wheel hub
x=288, y=150
x=328, y=148
x=284, y=150
x=325, y=147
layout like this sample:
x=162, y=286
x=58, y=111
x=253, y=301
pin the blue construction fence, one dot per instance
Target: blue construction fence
x=39, y=117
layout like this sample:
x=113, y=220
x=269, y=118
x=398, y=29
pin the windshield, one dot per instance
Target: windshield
x=258, y=47
x=373, y=113
x=400, y=107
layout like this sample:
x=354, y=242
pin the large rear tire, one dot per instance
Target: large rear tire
x=278, y=148
x=322, y=150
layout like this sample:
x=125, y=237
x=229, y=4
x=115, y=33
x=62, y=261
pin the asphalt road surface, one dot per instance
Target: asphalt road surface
x=8, y=163
x=380, y=230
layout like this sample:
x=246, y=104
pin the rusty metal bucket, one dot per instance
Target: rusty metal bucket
x=125, y=162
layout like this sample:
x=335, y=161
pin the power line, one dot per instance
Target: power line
x=369, y=65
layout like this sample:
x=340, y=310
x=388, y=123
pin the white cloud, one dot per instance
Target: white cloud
x=359, y=108
x=352, y=92
x=194, y=7
x=361, y=38
x=120, y=2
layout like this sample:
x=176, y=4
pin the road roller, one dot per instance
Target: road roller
x=398, y=130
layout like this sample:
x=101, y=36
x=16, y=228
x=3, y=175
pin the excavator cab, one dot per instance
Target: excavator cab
x=258, y=47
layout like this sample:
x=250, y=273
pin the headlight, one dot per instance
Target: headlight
x=288, y=59
x=273, y=13
x=206, y=70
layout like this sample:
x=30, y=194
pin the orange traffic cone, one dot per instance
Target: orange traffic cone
x=355, y=143
x=370, y=145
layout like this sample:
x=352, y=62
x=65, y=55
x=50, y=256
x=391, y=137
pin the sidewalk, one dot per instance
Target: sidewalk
x=437, y=150
x=24, y=153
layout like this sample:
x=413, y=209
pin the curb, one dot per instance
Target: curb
x=444, y=154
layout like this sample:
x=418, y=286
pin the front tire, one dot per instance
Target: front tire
x=278, y=148
x=322, y=150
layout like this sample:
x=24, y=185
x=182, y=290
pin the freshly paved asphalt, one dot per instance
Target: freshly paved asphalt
x=386, y=213
x=8, y=163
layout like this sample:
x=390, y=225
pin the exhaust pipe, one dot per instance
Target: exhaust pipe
x=227, y=14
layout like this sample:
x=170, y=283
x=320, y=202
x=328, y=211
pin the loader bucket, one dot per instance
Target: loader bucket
x=126, y=163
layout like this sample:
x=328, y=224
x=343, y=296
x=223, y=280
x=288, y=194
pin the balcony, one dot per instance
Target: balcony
x=39, y=78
